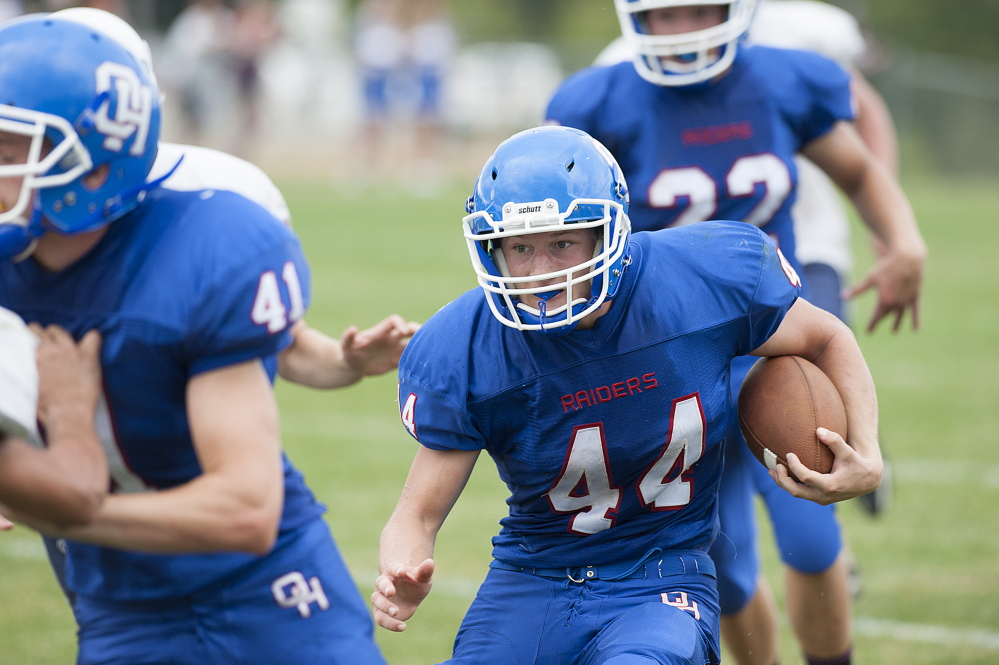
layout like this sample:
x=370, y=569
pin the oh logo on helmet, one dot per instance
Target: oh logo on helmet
x=133, y=111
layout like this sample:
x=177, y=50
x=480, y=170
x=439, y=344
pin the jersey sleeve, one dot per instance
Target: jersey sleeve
x=18, y=379
x=821, y=95
x=776, y=290
x=247, y=307
x=433, y=386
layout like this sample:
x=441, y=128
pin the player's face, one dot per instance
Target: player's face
x=543, y=253
x=684, y=19
x=14, y=149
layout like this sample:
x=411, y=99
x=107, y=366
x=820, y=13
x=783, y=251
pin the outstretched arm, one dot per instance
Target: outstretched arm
x=319, y=361
x=898, y=274
x=824, y=340
x=405, y=552
x=66, y=482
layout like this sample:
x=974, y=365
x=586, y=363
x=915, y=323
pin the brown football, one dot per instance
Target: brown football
x=782, y=402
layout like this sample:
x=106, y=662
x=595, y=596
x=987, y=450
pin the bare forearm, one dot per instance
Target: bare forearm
x=406, y=539
x=317, y=361
x=203, y=515
x=885, y=210
x=843, y=362
x=63, y=485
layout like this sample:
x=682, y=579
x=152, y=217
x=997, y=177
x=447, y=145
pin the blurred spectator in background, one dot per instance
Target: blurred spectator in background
x=195, y=66
x=254, y=31
x=432, y=43
x=380, y=51
x=403, y=49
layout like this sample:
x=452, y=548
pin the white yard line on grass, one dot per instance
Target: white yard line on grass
x=915, y=632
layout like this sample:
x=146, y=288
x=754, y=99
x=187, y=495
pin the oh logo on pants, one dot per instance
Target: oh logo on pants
x=292, y=590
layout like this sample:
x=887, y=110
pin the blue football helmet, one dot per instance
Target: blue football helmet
x=687, y=58
x=538, y=181
x=81, y=101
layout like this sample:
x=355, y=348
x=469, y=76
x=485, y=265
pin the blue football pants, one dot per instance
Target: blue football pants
x=296, y=605
x=519, y=618
x=807, y=534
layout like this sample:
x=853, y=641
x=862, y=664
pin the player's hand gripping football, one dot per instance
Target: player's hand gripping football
x=852, y=474
x=897, y=277
x=399, y=590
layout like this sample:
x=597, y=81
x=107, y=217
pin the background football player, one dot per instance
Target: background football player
x=706, y=129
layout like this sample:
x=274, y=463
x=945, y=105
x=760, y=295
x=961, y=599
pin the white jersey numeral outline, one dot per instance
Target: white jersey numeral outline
x=667, y=485
x=670, y=186
x=268, y=306
x=585, y=485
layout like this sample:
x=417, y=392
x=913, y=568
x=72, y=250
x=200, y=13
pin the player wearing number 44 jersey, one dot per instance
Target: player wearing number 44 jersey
x=210, y=547
x=593, y=366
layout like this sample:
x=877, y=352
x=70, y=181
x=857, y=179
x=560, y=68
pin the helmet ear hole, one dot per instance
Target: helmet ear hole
x=568, y=167
x=96, y=178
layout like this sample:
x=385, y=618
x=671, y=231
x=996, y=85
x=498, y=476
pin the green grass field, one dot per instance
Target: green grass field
x=930, y=566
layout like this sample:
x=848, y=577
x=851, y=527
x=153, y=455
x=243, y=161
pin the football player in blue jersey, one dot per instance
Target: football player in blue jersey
x=313, y=359
x=65, y=481
x=210, y=547
x=593, y=365
x=705, y=128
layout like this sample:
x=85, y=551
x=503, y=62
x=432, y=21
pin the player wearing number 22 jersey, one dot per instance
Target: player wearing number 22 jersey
x=721, y=149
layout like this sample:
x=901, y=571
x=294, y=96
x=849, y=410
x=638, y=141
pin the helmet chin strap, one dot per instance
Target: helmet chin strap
x=543, y=299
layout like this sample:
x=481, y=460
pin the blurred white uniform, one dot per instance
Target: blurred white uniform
x=18, y=379
x=205, y=168
x=821, y=226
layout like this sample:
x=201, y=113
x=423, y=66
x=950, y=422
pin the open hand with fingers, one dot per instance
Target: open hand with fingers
x=399, y=590
x=897, y=278
x=377, y=349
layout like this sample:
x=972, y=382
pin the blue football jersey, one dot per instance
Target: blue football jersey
x=608, y=438
x=187, y=283
x=723, y=150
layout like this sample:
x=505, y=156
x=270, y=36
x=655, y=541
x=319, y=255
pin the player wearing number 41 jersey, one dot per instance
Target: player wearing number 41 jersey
x=210, y=547
x=593, y=367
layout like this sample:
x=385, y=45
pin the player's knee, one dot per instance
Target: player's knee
x=735, y=592
x=810, y=556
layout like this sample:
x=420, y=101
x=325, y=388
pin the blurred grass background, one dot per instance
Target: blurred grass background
x=930, y=578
